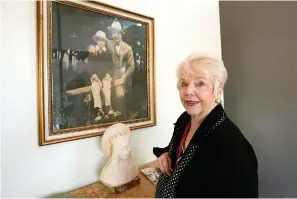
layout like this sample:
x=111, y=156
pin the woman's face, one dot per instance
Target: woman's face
x=196, y=94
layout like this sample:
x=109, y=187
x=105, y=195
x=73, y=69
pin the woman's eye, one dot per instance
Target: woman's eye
x=200, y=84
x=184, y=84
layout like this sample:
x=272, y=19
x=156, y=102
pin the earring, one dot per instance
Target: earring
x=218, y=100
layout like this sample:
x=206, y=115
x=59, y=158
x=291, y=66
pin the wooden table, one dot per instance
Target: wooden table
x=97, y=190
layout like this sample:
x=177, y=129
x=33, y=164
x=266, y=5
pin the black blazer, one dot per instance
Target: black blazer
x=100, y=64
x=218, y=162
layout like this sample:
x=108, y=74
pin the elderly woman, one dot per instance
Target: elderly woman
x=207, y=156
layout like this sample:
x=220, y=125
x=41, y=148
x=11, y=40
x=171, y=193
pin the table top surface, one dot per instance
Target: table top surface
x=145, y=189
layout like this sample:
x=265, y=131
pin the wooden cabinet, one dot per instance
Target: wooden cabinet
x=97, y=190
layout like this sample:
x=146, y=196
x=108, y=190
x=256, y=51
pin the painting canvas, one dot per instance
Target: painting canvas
x=95, y=68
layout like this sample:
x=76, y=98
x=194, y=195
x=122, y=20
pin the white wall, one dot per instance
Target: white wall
x=1, y=75
x=32, y=171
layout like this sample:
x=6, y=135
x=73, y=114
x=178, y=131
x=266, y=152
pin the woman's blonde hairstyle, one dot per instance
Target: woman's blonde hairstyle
x=211, y=67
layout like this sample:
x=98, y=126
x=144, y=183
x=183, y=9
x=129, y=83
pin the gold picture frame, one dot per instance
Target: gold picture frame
x=96, y=67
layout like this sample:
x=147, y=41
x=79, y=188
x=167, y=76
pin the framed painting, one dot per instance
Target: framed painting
x=96, y=67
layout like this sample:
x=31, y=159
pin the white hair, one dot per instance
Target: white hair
x=212, y=67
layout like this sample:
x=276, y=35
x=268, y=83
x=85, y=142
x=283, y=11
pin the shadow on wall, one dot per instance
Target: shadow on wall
x=259, y=48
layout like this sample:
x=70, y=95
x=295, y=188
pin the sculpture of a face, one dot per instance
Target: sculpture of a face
x=124, y=151
x=120, y=168
x=116, y=140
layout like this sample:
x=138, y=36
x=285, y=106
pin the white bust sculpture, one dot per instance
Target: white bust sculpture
x=120, y=168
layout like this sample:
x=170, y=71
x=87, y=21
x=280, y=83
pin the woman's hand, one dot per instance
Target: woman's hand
x=164, y=163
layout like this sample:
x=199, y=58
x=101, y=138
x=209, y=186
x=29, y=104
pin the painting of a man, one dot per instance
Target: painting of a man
x=123, y=60
x=122, y=68
x=99, y=68
x=104, y=78
x=95, y=68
